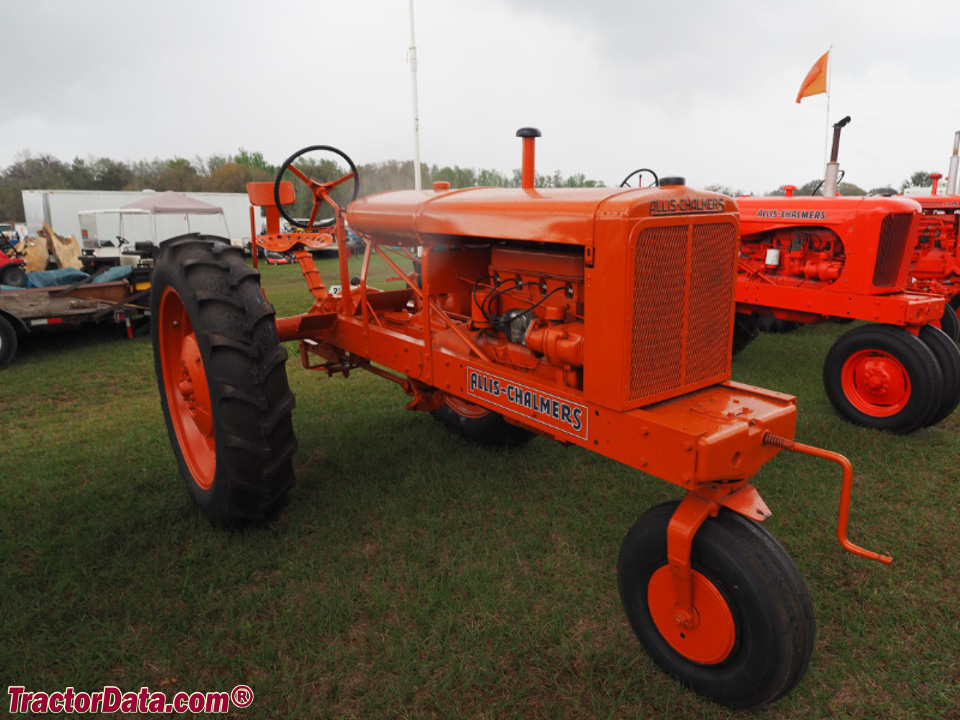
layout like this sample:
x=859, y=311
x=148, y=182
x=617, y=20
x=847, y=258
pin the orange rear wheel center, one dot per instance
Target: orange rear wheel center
x=876, y=383
x=193, y=385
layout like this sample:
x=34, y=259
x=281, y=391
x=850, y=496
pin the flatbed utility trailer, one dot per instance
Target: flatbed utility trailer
x=32, y=309
x=599, y=317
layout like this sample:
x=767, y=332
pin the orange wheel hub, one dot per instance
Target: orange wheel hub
x=713, y=633
x=875, y=383
x=186, y=388
x=467, y=409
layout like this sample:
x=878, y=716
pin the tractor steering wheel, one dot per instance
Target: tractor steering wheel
x=322, y=192
x=656, y=179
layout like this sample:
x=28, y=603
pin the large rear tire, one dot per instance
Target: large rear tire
x=948, y=358
x=883, y=377
x=222, y=379
x=8, y=342
x=478, y=424
x=756, y=630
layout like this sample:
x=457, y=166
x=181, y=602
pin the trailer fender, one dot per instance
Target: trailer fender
x=19, y=325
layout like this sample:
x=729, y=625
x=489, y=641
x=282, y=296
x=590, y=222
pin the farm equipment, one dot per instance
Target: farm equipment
x=12, y=267
x=599, y=317
x=935, y=264
x=813, y=259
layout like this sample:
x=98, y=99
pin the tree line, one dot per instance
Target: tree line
x=231, y=173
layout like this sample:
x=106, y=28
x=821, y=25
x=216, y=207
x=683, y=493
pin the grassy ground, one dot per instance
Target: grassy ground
x=416, y=576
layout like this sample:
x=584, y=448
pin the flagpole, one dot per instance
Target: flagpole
x=412, y=57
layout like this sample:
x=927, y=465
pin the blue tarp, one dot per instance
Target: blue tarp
x=69, y=276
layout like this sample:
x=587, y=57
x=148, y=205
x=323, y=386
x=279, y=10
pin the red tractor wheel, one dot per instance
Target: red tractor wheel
x=478, y=424
x=756, y=629
x=222, y=381
x=883, y=377
x=948, y=358
x=950, y=324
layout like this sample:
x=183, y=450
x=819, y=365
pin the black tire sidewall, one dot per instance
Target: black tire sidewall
x=948, y=358
x=8, y=342
x=950, y=323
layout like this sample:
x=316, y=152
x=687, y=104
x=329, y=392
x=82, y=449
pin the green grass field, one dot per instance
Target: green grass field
x=416, y=576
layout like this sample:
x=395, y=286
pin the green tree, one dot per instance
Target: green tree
x=918, y=179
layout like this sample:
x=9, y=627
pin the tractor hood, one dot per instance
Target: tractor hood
x=761, y=214
x=564, y=216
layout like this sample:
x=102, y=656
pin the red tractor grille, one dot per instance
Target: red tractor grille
x=683, y=305
x=894, y=231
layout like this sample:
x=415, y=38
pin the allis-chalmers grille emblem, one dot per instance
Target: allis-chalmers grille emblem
x=552, y=411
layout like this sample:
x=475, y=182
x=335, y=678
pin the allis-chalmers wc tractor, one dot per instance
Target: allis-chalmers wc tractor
x=599, y=317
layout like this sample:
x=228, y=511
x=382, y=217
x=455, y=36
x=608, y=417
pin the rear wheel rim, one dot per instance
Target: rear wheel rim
x=714, y=634
x=187, y=390
x=876, y=383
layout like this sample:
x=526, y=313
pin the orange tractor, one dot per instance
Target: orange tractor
x=935, y=266
x=814, y=259
x=598, y=317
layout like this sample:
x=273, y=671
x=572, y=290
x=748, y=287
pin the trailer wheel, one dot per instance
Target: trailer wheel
x=883, y=377
x=948, y=358
x=222, y=379
x=478, y=424
x=745, y=331
x=756, y=630
x=950, y=324
x=14, y=276
x=8, y=342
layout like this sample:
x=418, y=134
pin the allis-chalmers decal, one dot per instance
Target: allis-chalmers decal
x=793, y=214
x=552, y=411
x=680, y=206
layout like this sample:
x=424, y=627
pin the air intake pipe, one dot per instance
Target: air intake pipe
x=833, y=167
x=528, y=175
x=952, y=172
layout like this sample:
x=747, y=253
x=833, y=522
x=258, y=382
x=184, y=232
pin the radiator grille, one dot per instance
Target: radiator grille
x=712, y=279
x=894, y=231
x=662, y=316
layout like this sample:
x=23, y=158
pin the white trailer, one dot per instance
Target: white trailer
x=61, y=209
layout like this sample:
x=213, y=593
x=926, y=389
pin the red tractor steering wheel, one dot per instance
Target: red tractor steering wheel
x=321, y=191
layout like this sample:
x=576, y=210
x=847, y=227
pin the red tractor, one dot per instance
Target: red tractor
x=935, y=265
x=814, y=259
x=598, y=317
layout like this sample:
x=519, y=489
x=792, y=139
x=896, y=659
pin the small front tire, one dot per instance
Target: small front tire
x=756, y=634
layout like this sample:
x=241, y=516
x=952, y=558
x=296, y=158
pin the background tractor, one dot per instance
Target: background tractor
x=813, y=259
x=598, y=317
x=935, y=264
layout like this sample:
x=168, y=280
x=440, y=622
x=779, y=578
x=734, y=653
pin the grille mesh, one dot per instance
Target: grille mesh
x=662, y=315
x=659, y=285
x=712, y=278
x=894, y=231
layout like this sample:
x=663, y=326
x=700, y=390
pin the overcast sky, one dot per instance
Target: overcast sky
x=698, y=88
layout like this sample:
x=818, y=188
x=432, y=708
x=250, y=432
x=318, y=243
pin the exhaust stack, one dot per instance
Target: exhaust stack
x=833, y=167
x=952, y=172
x=529, y=173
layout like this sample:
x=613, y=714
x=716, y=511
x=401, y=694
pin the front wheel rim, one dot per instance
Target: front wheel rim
x=186, y=388
x=714, y=634
x=876, y=383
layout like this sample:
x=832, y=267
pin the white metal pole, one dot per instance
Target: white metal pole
x=826, y=131
x=412, y=58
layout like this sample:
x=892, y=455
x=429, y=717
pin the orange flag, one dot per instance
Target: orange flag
x=816, y=80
